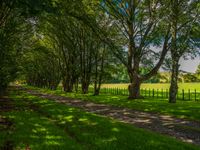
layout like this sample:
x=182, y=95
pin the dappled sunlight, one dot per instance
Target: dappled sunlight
x=115, y=129
x=68, y=118
x=37, y=132
x=104, y=141
x=50, y=125
x=83, y=119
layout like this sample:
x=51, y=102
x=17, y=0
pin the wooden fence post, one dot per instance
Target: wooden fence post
x=195, y=95
x=166, y=93
x=189, y=94
x=149, y=93
x=153, y=93
x=177, y=95
x=157, y=93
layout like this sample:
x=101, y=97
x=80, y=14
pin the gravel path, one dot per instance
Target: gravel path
x=185, y=130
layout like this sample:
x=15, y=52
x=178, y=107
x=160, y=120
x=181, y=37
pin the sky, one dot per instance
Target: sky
x=189, y=65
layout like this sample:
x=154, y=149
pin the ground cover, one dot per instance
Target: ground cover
x=182, y=109
x=43, y=124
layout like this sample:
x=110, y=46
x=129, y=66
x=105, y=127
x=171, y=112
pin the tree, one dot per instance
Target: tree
x=41, y=67
x=183, y=17
x=197, y=73
x=141, y=24
x=13, y=30
x=198, y=70
x=76, y=45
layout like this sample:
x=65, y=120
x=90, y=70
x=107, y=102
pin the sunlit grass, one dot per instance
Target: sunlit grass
x=37, y=132
x=182, y=109
x=185, y=86
x=57, y=126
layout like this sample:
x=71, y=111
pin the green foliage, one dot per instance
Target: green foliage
x=197, y=73
x=41, y=67
x=83, y=41
x=13, y=30
x=190, y=77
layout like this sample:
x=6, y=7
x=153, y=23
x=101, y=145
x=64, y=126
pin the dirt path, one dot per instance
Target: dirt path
x=185, y=130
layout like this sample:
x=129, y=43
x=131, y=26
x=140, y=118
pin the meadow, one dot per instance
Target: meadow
x=164, y=86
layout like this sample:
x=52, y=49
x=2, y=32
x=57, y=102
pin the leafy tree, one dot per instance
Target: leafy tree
x=13, y=29
x=184, y=16
x=190, y=77
x=197, y=73
x=79, y=50
x=198, y=70
x=142, y=25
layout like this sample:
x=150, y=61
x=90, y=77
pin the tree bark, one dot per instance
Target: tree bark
x=134, y=88
x=174, y=82
x=85, y=87
x=67, y=85
x=174, y=54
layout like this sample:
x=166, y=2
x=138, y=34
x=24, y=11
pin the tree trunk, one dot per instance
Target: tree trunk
x=67, y=85
x=76, y=85
x=95, y=87
x=174, y=82
x=134, y=89
x=96, y=91
x=70, y=86
x=64, y=86
x=85, y=87
x=174, y=54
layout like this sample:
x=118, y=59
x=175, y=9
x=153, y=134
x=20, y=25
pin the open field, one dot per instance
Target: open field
x=41, y=124
x=185, y=86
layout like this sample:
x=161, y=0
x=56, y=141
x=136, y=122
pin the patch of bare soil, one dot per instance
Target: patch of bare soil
x=182, y=129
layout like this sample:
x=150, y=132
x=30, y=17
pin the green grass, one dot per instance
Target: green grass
x=55, y=126
x=182, y=109
x=185, y=86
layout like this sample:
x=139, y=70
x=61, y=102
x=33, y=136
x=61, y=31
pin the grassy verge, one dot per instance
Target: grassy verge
x=44, y=124
x=182, y=109
x=184, y=86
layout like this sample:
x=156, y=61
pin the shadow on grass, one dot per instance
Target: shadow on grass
x=37, y=132
x=182, y=109
x=55, y=126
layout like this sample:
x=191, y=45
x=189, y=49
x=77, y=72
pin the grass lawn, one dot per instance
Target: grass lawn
x=185, y=86
x=182, y=109
x=49, y=125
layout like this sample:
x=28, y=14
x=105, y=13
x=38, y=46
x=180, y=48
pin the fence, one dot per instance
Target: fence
x=156, y=93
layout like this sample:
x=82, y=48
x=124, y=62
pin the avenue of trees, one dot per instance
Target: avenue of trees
x=85, y=42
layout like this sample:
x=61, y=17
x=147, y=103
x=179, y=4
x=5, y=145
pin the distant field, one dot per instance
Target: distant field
x=185, y=86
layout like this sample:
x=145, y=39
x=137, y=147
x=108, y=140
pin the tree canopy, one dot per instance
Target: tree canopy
x=84, y=42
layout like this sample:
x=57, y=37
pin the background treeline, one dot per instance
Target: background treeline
x=88, y=42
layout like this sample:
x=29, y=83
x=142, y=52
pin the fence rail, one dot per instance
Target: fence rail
x=156, y=93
